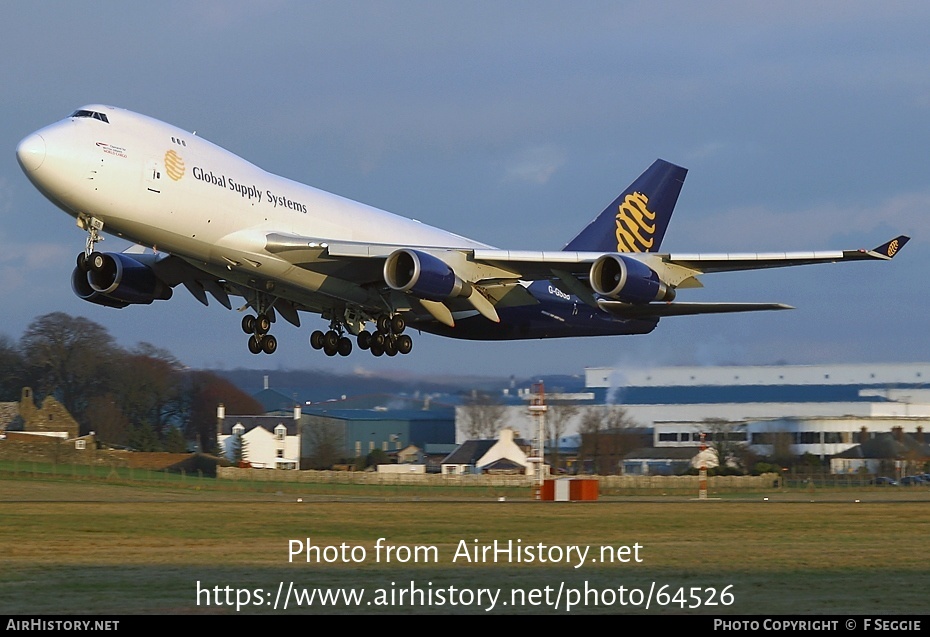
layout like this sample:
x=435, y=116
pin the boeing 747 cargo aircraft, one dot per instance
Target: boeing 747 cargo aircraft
x=205, y=218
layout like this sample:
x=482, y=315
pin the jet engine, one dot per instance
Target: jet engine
x=423, y=275
x=624, y=279
x=117, y=280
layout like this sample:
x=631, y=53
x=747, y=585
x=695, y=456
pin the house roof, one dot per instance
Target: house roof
x=663, y=453
x=885, y=445
x=411, y=415
x=266, y=422
x=469, y=452
x=272, y=400
x=503, y=464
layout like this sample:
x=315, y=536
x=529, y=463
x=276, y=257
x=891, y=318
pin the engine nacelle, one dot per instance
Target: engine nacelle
x=624, y=279
x=423, y=275
x=120, y=279
x=82, y=288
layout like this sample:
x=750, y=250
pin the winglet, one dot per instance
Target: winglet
x=889, y=249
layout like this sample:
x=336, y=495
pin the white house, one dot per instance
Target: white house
x=266, y=442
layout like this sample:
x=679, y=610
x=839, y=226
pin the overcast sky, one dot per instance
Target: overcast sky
x=803, y=125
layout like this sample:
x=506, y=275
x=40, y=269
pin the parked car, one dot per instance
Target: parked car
x=912, y=480
x=883, y=481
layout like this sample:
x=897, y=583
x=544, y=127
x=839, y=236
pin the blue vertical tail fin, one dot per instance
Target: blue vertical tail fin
x=637, y=219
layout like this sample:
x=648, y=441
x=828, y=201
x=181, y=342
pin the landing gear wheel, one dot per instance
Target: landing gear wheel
x=97, y=261
x=248, y=324
x=384, y=324
x=255, y=344
x=262, y=324
x=377, y=338
x=316, y=340
x=329, y=349
x=82, y=262
x=269, y=344
x=404, y=344
x=398, y=324
x=390, y=347
x=364, y=339
x=330, y=341
x=344, y=347
x=377, y=349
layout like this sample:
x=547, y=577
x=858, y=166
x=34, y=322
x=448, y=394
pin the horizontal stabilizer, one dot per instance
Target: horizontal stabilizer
x=648, y=310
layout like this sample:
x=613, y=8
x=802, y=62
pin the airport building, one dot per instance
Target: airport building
x=822, y=410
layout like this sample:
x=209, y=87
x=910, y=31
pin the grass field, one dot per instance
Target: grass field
x=73, y=545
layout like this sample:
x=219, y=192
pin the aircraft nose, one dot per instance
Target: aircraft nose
x=31, y=152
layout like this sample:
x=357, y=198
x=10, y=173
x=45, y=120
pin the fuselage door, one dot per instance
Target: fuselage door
x=152, y=175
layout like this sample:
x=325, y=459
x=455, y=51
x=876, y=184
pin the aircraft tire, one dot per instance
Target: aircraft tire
x=404, y=344
x=378, y=338
x=316, y=339
x=384, y=324
x=377, y=349
x=344, y=347
x=331, y=341
x=398, y=324
x=255, y=345
x=390, y=347
x=96, y=261
x=82, y=262
x=329, y=349
x=364, y=339
x=262, y=324
x=269, y=344
x=248, y=324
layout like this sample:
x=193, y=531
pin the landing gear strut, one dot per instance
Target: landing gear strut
x=388, y=337
x=333, y=341
x=258, y=327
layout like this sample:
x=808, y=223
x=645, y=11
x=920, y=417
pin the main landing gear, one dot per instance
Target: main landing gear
x=387, y=339
x=259, y=340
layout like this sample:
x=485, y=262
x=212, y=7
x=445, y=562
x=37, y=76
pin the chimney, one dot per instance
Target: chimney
x=296, y=412
x=920, y=434
x=220, y=417
x=863, y=435
x=898, y=433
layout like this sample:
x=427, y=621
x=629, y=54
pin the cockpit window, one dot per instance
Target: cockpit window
x=92, y=114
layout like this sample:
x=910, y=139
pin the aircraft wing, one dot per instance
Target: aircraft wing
x=539, y=265
x=649, y=310
x=496, y=274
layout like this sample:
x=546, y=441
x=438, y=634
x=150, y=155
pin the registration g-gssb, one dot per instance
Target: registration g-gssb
x=209, y=220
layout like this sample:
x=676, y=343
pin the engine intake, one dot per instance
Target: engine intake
x=423, y=275
x=624, y=279
x=117, y=280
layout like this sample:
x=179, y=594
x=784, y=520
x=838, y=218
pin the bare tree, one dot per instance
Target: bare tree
x=725, y=437
x=607, y=434
x=325, y=441
x=71, y=357
x=481, y=415
x=558, y=416
x=590, y=428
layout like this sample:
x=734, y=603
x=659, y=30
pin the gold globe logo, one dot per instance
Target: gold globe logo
x=633, y=220
x=892, y=248
x=174, y=165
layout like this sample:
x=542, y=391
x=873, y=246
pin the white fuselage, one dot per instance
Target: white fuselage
x=167, y=189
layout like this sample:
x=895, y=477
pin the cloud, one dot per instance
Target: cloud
x=764, y=228
x=535, y=165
